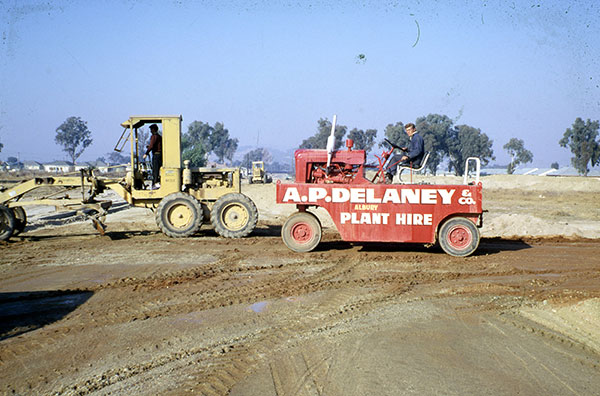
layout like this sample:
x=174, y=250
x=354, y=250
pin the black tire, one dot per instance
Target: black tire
x=459, y=237
x=20, y=220
x=179, y=215
x=234, y=215
x=301, y=232
x=7, y=223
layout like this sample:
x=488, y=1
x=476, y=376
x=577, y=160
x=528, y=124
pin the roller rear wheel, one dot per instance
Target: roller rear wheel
x=459, y=237
x=301, y=232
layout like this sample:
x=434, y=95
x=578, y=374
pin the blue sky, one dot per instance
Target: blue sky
x=270, y=69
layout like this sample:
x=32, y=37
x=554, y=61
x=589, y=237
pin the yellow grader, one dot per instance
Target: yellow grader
x=259, y=174
x=187, y=197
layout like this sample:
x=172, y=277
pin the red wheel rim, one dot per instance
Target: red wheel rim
x=302, y=232
x=459, y=237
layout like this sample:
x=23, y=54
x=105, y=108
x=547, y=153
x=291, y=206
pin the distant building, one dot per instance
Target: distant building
x=570, y=171
x=565, y=171
x=59, y=167
x=33, y=166
x=493, y=171
x=87, y=165
x=100, y=167
x=13, y=166
x=117, y=168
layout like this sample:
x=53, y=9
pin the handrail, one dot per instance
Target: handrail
x=122, y=140
x=477, y=169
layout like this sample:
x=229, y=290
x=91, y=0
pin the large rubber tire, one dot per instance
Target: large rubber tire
x=20, y=220
x=234, y=215
x=7, y=223
x=179, y=215
x=301, y=232
x=459, y=237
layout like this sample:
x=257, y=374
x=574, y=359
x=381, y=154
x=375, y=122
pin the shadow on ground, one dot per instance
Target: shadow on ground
x=333, y=242
x=119, y=235
x=270, y=230
x=497, y=245
x=21, y=312
x=487, y=246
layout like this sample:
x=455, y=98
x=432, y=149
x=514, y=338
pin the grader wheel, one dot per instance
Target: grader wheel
x=301, y=232
x=459, y=237
x=179, y=215
x=20, y=220
x=234, y=215
x=7, y=223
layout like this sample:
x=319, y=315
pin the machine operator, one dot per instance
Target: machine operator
x=155, y=147
x=413, y=153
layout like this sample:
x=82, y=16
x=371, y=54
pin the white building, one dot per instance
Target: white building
x=59, y=167
x=33, y=166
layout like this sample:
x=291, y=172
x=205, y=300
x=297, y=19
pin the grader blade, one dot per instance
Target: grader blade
x=96, y=212
x=100, y=227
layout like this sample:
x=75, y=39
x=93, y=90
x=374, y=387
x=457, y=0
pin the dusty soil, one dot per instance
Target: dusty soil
x=135, y=312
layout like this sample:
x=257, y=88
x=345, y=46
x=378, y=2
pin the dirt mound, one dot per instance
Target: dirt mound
x=580, y=321
x=511, y=225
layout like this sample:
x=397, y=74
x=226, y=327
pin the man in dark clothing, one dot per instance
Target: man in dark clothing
x=416, y=148
x=414, y=152
x=155, y=147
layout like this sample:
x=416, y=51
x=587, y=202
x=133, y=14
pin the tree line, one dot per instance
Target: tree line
x=444, y=141
x=453, y=144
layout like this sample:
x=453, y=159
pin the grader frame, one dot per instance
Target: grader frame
x=187, y=197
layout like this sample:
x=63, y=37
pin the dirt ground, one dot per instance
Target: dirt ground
x=137, y=313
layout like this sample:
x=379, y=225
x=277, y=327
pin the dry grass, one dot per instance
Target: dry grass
x=547, y=205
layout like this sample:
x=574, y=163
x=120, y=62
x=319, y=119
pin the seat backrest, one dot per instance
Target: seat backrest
x=423, y=163
x=398, y=176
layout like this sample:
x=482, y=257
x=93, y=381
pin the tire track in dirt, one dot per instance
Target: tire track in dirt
x=220, y=289
x=279, y=339
x=226, y=371
x=229, y=373
x=288, y=372
x=355, y=285
x=224, y=292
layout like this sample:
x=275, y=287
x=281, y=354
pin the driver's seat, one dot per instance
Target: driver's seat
x=401, y=168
